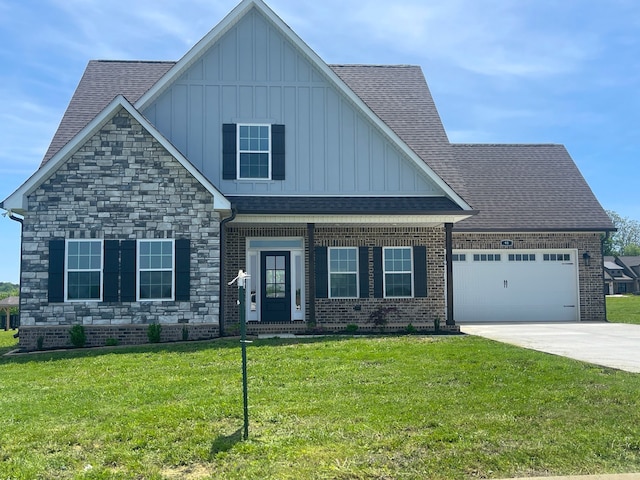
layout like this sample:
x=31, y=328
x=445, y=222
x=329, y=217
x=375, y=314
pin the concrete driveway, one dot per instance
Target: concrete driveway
x=615, y=345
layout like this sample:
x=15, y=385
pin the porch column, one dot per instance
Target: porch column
x=311, y=261
x=448, y=229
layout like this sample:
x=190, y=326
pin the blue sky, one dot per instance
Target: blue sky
x=500, y=71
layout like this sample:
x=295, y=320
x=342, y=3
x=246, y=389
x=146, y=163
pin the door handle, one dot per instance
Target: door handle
x=506, y=284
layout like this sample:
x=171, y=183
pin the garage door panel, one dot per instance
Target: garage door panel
x=511, y=291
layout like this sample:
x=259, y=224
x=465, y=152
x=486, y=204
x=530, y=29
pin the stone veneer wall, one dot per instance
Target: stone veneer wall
x=590, y=278
x=333, y=315
x=121, y=185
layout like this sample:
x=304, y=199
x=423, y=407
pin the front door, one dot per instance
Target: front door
x=275, y=293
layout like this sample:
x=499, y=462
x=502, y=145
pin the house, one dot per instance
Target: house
x=622, y=275
x=334, y=186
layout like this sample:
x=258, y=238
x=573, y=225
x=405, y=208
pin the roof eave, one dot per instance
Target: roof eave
x=532, y=230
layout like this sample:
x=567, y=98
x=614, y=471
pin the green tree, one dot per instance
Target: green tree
x=631, y=250
x=627, y=236
x=9, y=290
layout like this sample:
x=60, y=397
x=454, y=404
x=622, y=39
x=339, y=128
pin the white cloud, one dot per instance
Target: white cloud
x=491, y=37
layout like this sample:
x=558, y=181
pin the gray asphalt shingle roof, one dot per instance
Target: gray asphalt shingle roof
x=400, y=97
x=101, y=82
x=515, y=187
x=526, y=187
x=344, y=205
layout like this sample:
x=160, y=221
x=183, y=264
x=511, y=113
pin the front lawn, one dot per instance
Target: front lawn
x=625, y=309
x=328, y=408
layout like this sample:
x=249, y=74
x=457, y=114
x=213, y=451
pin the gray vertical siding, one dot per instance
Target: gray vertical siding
x=255, y=75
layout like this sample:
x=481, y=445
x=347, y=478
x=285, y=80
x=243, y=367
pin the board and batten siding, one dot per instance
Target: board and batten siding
x=255, y=75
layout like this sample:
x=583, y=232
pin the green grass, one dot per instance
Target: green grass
x=360, y=408
x=7, y=342
x=624, y=309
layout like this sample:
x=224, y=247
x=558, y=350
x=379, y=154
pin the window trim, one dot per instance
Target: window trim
x=356, y=273
x=67, y=270
x=239, y=151
x=172, y=270
x=384, y=272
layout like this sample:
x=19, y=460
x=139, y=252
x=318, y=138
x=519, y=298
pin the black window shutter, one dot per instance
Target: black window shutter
x=128, y=271
x=322, y=273
x=420, y=271
x=363, y=258
x=111, y=270
x=277, y=152
x=56, y=271
x=378, y=273
x=229, y=151
x=183, y=269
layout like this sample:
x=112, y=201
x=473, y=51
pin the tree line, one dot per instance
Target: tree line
x=626, y=240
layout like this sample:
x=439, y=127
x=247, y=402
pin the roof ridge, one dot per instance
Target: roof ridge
x=507, y=144
x=131, y=61
x=373, y=65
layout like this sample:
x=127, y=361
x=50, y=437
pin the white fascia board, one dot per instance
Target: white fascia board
x=386, y=220
x=234, y=17
x=17, y=201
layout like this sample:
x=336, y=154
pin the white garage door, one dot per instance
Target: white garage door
x=515, y=286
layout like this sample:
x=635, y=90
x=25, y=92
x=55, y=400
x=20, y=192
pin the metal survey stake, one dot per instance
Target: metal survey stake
x=242, y=276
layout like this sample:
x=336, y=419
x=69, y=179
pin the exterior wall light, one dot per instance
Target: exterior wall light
x=587, y=259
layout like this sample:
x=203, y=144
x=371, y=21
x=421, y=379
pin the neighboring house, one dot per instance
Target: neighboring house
x=622, y=275
x=334, y=186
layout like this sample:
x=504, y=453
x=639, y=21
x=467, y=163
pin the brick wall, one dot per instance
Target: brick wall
x=34, y=338
x=590, y=278
x=120, y=185
x=333, y=315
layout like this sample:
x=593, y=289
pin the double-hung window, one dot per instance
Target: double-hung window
x=343, y=272
x=254, y=151
x=398, y=272
x=156, y=268
x=84, y=270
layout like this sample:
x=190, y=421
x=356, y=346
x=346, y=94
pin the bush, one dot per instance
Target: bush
x=185, y=333
x=153, y=332
x=112, y=342
x=379, y=317
x=351, y=328
x=78, y=336
x=410, y=330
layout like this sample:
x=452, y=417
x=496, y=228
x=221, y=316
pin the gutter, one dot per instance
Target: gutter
x=223, y=224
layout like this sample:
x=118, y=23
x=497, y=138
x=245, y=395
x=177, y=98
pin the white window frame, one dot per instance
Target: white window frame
x=139, y=270
x=68, y=270
x=356, y=273
x=404, y=272
x=240, y=152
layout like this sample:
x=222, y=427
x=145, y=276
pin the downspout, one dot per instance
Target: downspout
x=603, y=239
x=223, y=225
x=21, y=222
x=448, y=229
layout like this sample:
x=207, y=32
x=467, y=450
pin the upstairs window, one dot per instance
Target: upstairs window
x=254, y=151
x=84, y=270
